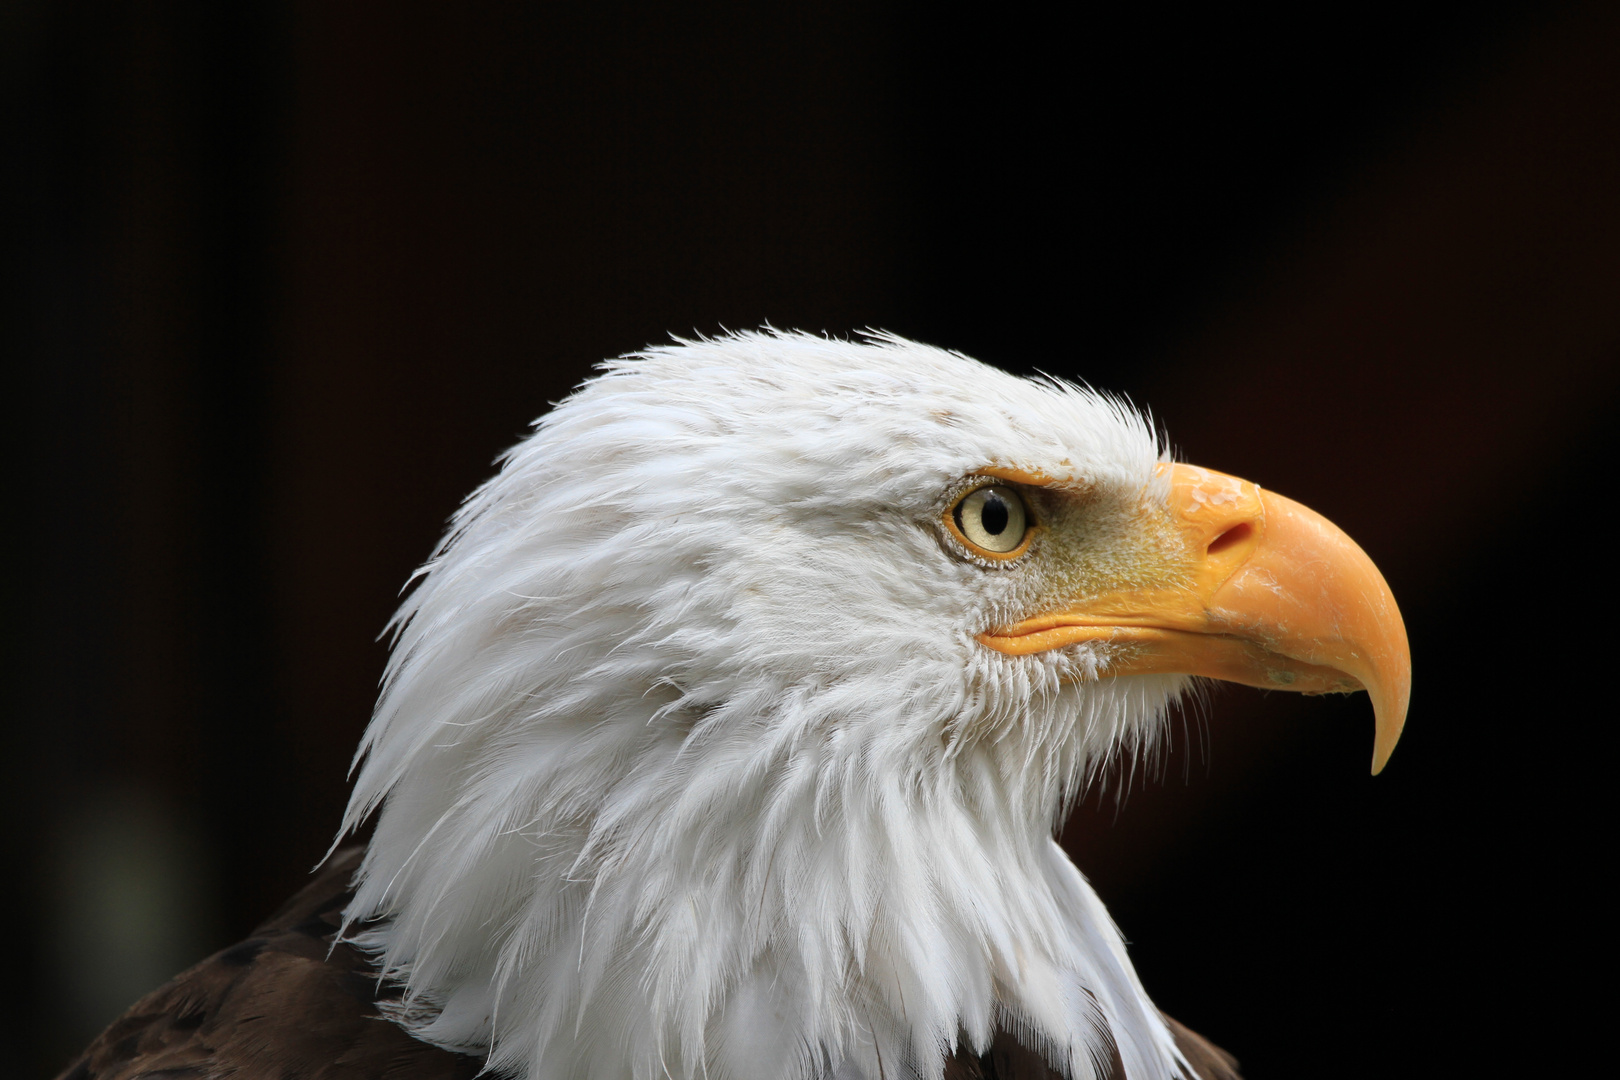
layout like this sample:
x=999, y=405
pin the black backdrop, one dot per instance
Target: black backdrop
x=283, y=278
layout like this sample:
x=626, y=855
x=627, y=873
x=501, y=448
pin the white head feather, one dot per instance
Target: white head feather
x=688, y=763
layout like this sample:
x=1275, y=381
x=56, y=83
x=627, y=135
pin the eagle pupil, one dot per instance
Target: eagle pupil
x=993, y=515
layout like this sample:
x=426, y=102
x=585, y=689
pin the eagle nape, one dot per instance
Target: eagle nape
x=726, y=734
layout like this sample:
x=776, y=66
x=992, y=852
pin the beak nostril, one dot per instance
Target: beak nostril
x=1235, y=535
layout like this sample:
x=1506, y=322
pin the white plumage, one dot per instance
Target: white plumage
x=688, y=762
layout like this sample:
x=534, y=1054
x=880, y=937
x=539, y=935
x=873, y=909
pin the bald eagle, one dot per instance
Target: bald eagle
x=726, y=732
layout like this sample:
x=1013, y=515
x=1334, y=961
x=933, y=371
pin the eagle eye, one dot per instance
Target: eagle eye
x=992, y=520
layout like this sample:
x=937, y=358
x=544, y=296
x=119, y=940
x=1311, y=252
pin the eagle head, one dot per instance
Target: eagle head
x=726, y=732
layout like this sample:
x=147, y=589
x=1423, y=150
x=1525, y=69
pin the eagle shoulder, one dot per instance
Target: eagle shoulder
x=283, y=1002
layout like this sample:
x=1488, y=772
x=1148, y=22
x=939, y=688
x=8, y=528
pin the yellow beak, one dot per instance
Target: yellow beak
x=1273, y=595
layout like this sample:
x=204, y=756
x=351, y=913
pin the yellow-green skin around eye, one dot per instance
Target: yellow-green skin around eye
x=1103, y=541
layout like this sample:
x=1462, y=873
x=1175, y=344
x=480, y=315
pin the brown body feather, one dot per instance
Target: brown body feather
x=286, y=1002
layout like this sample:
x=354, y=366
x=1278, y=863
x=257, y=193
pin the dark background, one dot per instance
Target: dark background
x=282, y=278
